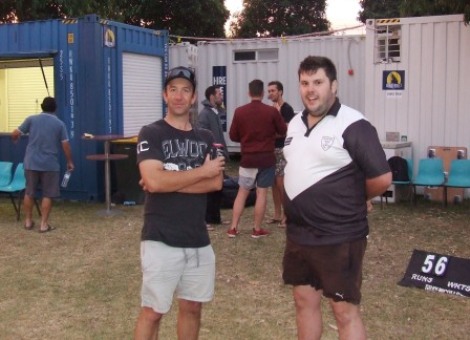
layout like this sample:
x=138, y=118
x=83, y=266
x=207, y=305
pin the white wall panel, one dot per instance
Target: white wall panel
x=462, y=114
x=452, y=80
x=183, y=54
x=434, y=107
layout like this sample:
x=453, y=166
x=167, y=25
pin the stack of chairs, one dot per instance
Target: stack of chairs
x=430, y=174
x=459, y=176
x=5, y=173
x=14, y=186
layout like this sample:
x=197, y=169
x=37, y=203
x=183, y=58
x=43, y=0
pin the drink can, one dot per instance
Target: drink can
x=217, y=150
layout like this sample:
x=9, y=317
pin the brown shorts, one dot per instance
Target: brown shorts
x=336, y=269
x=48, y=181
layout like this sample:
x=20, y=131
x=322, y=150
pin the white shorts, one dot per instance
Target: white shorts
x=188, y=272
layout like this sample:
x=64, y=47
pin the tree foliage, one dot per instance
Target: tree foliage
x=417, y=8
x=261, y=18
x=379, y=9
x=204, y=18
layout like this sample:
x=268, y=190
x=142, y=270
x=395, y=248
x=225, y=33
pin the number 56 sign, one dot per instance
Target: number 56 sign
x=438, y=273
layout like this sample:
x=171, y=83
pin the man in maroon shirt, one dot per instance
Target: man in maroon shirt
x=255, y=126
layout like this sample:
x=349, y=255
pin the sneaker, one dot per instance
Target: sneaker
x=259, y=233
x=232, y=232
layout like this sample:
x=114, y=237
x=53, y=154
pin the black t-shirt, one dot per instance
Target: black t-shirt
x=176, y=219
x=287, y=113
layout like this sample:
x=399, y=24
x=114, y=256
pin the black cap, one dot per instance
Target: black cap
x=181, y=72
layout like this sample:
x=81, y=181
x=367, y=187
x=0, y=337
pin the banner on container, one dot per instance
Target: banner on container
x=219, y=78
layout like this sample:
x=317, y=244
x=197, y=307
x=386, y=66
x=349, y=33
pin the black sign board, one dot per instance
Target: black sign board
x=438, y=273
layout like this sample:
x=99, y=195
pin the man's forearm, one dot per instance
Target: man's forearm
x=67, y=152
x=377, y=186
x=204, y=186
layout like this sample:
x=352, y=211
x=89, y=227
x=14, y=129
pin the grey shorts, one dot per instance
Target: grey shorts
x=188, y=272
x=47, y=181
x=248, y=178
x=336, y=269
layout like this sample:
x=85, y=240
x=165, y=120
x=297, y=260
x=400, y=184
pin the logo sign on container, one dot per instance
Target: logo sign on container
x=393, y=80
x=219, y=77
x=109, y=38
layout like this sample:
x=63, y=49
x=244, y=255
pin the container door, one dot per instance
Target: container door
x=142, y=91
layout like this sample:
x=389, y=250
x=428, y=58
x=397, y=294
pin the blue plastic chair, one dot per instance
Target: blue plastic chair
x=17, y=186
x=430, y=174
x=459, y=175
x=5, y=173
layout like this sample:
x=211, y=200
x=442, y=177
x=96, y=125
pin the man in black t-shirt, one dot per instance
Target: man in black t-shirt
x=275, y=92
x=177, y=172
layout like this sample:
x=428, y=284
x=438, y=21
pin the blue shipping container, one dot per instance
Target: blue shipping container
x=108, y=79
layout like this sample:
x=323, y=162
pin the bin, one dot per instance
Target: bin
x=125, y=184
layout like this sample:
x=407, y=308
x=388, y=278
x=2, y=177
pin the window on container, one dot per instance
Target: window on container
x=244, y=56
x=388, y=44
x=266, y=54
x=22, y=90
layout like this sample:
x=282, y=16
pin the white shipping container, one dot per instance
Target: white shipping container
x=271, y=59
x=183, y=54
x=418, y=80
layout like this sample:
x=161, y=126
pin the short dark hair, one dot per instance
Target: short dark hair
x=256, y=88
x=49, y=105
x=314, y=63
x=278, y=85
x=210, y=91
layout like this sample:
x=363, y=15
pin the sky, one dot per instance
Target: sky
x=340, y=13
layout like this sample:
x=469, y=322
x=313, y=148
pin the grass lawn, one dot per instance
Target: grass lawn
x=82, y=280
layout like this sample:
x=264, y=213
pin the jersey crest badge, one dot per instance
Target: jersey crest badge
x=327, y=142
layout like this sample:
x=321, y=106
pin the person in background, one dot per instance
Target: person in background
x=275, y=92
x=47, y=136
x=255, y=126
x=335, y=163
x=176, y=173
x=209, y=119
